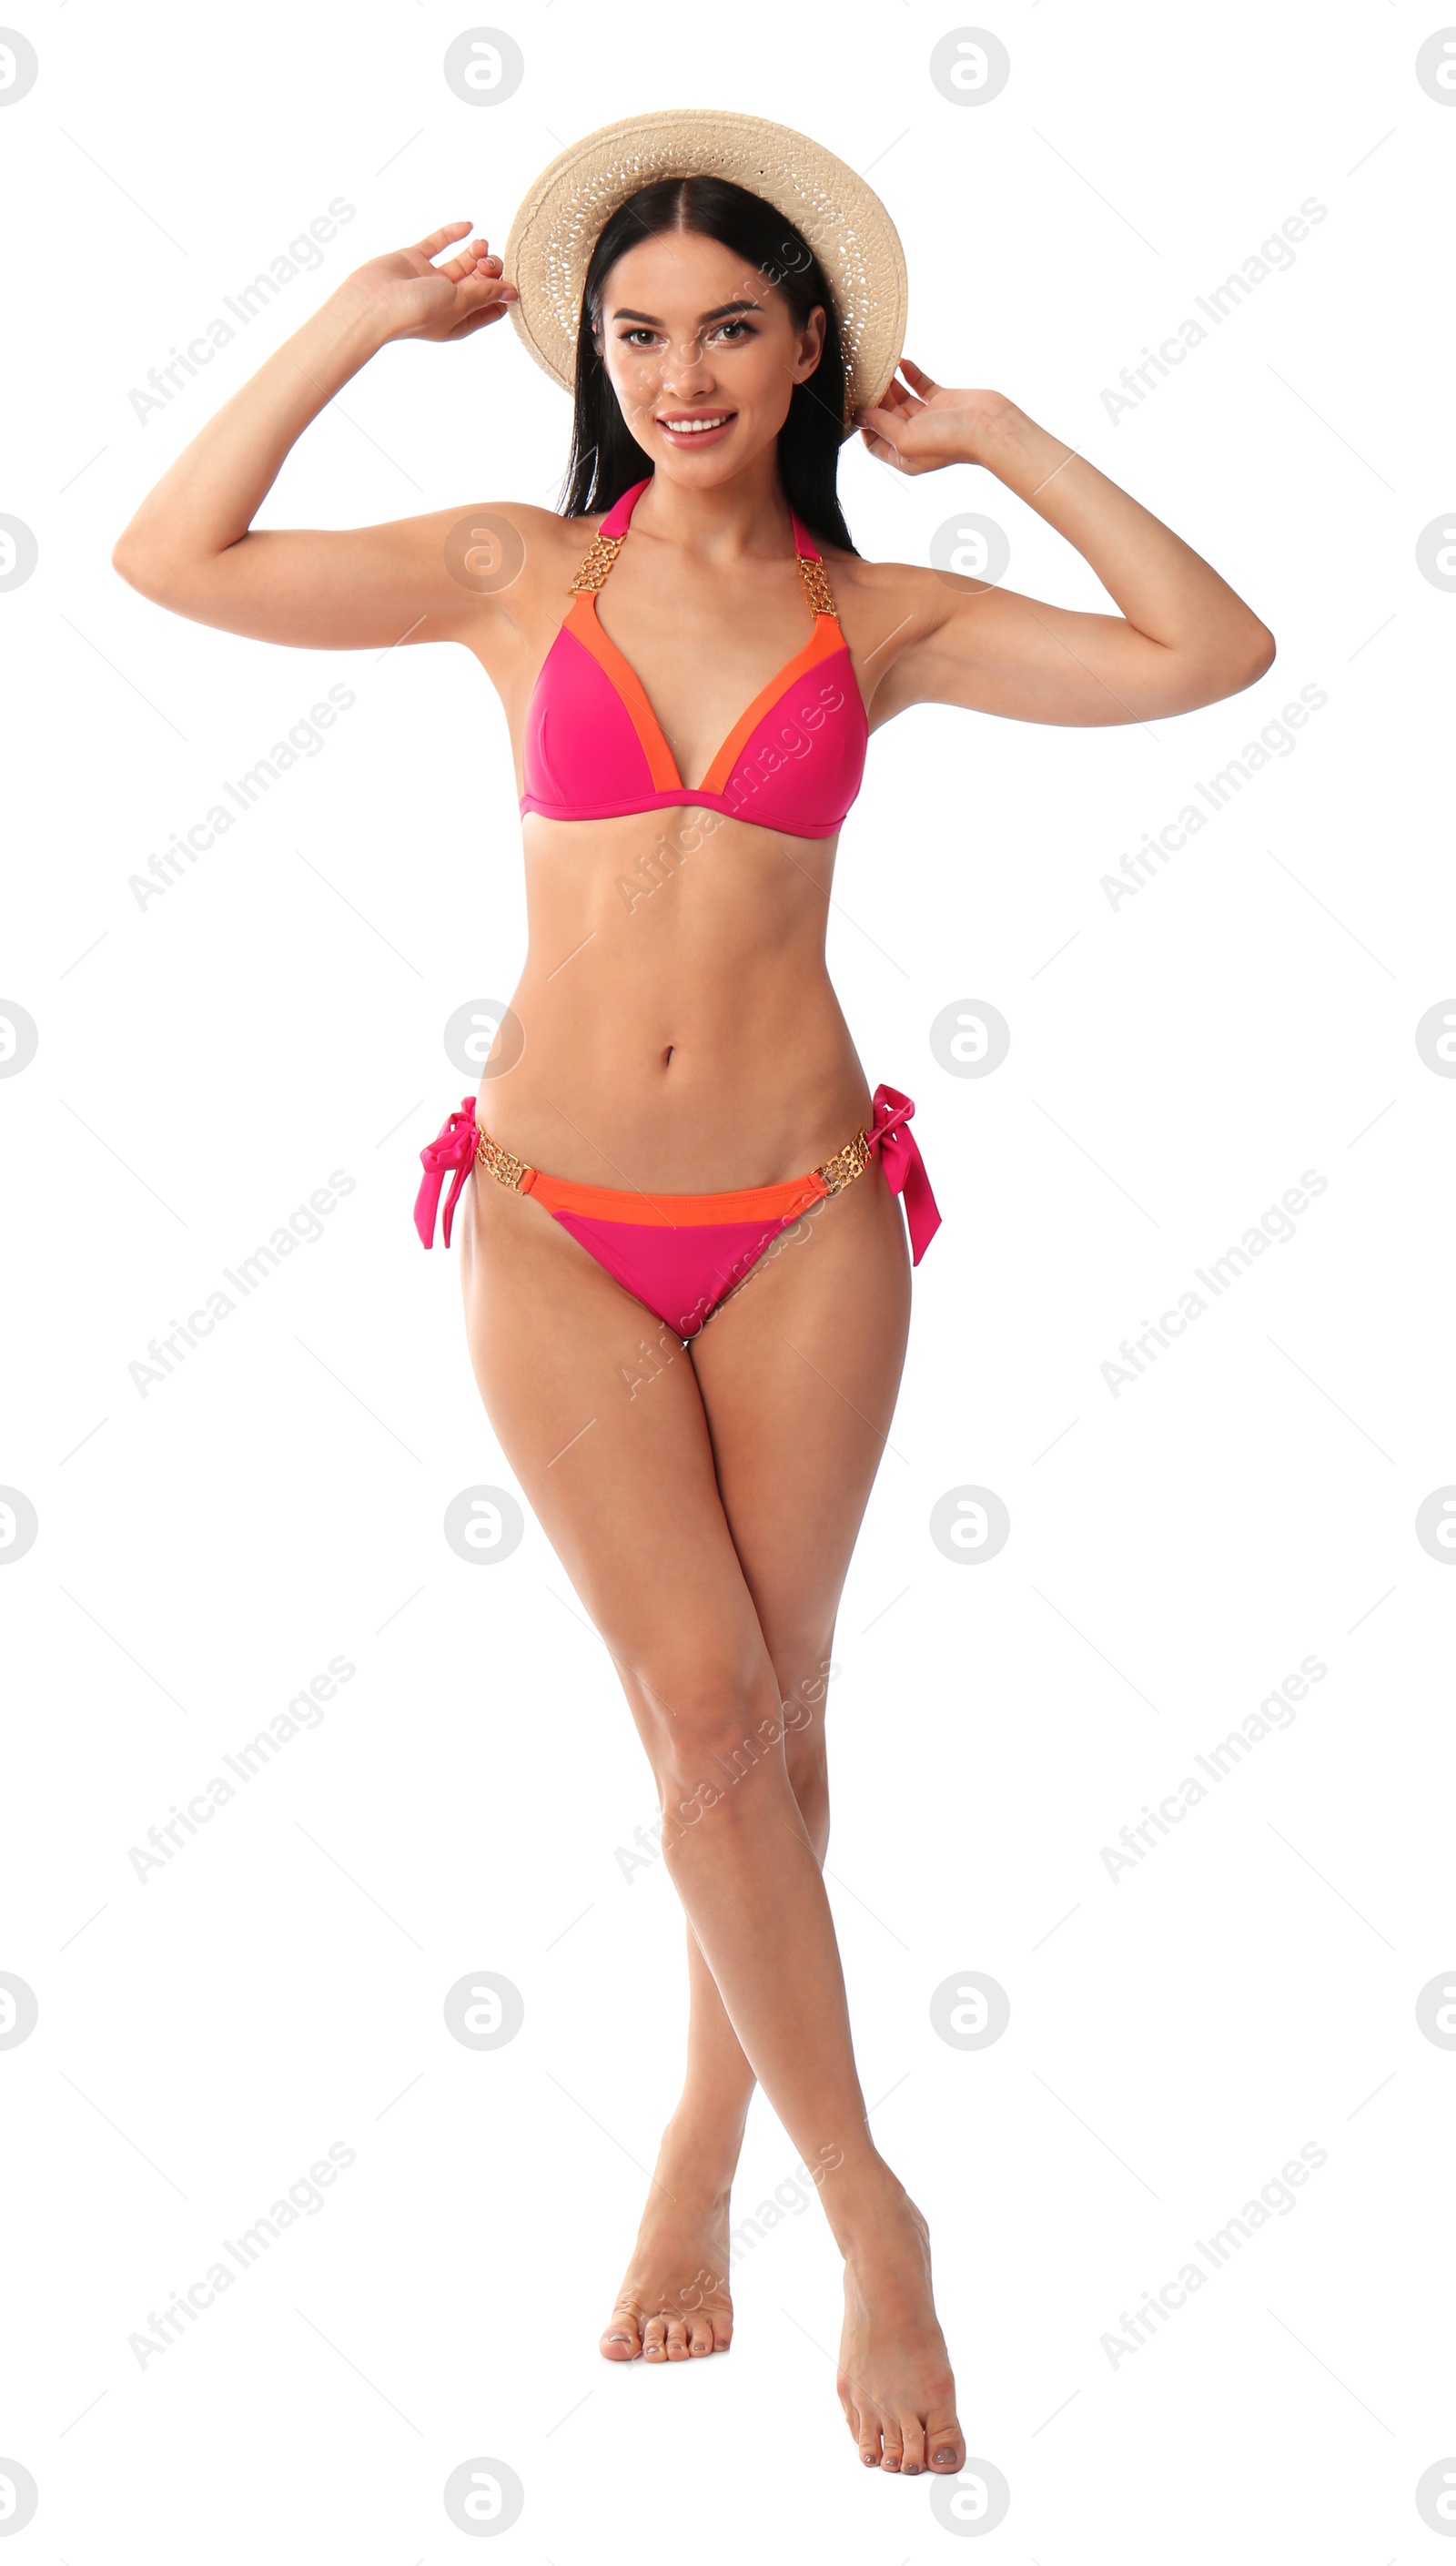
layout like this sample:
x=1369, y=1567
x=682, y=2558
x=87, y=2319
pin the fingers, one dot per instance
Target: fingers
x=476, y=258
x=875, y=428
x=435, y=241
x=474, y=320
x=876, y=424
x=924, y=384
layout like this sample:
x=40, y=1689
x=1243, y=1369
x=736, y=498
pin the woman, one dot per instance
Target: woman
x=695, y=1418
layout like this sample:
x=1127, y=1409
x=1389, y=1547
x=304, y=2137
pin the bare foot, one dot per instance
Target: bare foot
x=674, y=2300
x=894, y=2380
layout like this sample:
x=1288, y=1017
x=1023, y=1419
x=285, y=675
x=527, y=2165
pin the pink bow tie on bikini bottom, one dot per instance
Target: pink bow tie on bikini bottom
x=453, y=1148
x=904, y=1169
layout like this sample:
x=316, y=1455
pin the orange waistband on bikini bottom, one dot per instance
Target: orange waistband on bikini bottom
x=675, y=1211
x=672, y=1211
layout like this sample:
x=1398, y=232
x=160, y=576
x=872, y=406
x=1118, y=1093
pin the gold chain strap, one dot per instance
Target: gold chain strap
x=817, y=587
x=598, y=562
x=836, y=1173
x=845, y=1164
x=499, y=1162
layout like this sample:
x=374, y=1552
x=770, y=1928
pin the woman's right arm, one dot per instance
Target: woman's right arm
x=191, y=545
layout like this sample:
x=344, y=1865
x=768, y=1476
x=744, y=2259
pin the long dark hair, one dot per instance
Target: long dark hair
x=605, y=458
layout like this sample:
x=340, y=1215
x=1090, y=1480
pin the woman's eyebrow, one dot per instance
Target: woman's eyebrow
x=720, y=312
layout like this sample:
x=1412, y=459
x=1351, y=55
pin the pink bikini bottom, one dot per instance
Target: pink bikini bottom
x=683, y=1255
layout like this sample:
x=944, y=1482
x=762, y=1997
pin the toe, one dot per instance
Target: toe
x=700, y=2335
x=894, y=2447
x=676, y=2339
x=945, y=2441
x=869, y=2437
x=622, y=2340
x=654, y=2339
x=913, y=2458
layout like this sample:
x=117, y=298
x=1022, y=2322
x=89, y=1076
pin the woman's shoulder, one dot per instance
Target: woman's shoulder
x=873, y=579
x=909, y=593
x=545, y=536
x=508, y=549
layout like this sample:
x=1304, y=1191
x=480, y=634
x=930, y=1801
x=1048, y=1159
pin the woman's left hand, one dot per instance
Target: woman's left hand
x=919, y=427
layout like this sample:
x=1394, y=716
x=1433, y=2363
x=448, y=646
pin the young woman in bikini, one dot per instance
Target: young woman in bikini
x=690, y=658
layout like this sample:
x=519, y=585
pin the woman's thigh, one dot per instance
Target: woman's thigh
x=799, y=1372
x=704, y=1505
x=610, y=1448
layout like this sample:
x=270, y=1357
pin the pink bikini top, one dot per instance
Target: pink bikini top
x=594, y=748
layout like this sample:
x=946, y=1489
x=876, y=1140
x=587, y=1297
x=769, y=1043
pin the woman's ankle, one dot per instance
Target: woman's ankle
x=865, y=2203
x=704, y=2145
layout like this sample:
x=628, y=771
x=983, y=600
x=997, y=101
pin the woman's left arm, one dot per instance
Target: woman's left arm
x=1183, y=638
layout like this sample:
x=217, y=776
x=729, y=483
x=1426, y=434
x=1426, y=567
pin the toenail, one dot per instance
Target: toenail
x=945, y=2459
x=618, y=2338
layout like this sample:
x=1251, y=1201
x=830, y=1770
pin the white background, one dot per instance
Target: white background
x=206, y=1062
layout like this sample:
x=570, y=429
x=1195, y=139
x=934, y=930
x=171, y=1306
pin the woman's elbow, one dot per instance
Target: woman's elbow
x=129, y=560
x=1262, y=652
x=145, y=566
x=1239, y=661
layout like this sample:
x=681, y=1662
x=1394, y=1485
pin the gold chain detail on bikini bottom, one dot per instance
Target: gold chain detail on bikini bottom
x=500, y=1163
x=845, y=1164
x=598, y=561
x=834, y=1175
x=817, y=587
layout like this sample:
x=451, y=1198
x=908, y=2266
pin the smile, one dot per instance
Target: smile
x=711, y=426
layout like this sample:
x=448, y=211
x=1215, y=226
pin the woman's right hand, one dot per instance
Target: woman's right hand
x=194, y=545
x=408, y=297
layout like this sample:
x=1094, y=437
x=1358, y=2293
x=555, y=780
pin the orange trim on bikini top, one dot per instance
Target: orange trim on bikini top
x=583, y=620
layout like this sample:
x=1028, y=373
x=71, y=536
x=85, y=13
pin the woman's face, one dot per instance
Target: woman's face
x=702, y=353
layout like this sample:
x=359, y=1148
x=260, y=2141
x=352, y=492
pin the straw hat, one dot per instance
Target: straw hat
x=843, y=220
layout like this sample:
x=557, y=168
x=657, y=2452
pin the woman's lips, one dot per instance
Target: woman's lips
x=683, y=432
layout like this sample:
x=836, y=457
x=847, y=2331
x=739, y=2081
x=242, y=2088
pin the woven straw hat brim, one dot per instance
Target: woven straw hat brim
x=845, y=225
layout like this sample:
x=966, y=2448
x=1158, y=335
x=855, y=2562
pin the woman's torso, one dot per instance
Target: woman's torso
x=675, y=1025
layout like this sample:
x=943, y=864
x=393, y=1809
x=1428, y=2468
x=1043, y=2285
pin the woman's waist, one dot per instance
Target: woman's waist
x=689, y=1117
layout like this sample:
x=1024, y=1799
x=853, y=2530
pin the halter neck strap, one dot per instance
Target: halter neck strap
x=616, y=520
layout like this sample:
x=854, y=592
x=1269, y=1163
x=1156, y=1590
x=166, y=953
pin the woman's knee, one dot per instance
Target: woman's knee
x=803, y=1668
x=809, y=1774
x=707, y=1726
